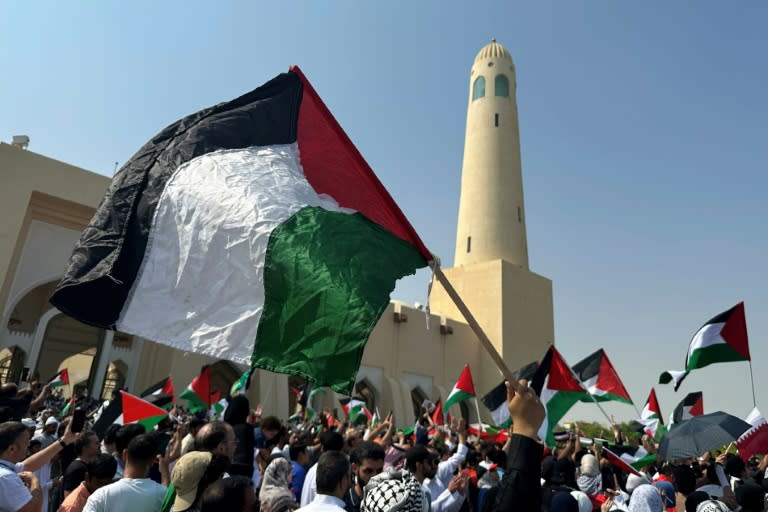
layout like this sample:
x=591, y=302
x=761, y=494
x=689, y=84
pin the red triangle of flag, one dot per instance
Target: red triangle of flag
x=653, y=405
x=465, y=383
x=734, y=332
x=168, y=388
x=561, y=377
x=201, y=385
x=608, y=380
x=697, y=409
x=136, y=409
x=437, y=415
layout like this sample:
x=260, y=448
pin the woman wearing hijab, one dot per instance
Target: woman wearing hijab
x=646, y=498
x=275, y=494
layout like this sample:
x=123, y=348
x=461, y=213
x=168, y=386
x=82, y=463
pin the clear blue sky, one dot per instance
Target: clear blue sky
x=643, y=131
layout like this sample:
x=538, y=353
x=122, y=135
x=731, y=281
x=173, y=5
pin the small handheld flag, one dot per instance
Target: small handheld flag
x=60, y=379
x=464, y=389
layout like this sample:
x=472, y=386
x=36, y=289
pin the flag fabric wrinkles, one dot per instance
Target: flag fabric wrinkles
x=755, y=440
x=722, y=339
x=243, y=384
x=252, y=231
x=692, y=405
x=127, y=408
x=496, y=399
x=600, y=378
x=651, y=418
x=557, y=388
x=198, y=393
x=464, y=389
x=60, y=379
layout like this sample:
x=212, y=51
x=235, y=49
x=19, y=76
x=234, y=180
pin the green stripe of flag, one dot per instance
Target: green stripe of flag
x=322, y=299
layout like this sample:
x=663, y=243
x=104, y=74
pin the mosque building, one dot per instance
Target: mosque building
x=45, y=204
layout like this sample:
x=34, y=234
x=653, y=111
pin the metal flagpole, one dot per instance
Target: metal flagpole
x=752, y=379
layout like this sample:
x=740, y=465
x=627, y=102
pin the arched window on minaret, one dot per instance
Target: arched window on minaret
x=478, y=88
x=501, y=86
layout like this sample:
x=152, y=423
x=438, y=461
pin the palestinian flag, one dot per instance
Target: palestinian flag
x=754, y=440
x=67, y=410
x=488, y=432
x=692, y=405
x=354, y=409
x=721, y=340
x=157, y=392
x=219, y=408
x=557, y=388
x=438, y=417
x=598, y=375
x=620, y=462
x=242, y=384
x=496, y=402
x=198, y=393
x=252, y=231
x=60, y=379
x=650, y=417
x=127, y=408
x=464, y=389
x=496, y=399
x=309, y=411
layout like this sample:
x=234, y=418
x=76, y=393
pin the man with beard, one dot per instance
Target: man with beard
x=423, y=464
x=367, y=460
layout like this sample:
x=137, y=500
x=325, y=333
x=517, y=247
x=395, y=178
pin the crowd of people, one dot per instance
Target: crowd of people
x=247, y=461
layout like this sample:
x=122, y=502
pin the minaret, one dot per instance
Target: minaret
x=512, y=304
x=491, y=211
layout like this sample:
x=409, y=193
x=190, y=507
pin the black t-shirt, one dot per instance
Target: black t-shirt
x=74, y=474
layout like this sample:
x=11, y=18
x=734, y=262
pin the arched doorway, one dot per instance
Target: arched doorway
x=26, y=313
x=73, y=345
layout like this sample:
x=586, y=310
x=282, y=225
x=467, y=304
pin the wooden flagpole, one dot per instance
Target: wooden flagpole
x=484, y=340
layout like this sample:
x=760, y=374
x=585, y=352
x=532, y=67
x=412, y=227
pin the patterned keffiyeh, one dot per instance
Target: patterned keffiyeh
x=394, y=491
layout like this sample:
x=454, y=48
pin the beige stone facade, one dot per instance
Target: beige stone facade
x=44, y=204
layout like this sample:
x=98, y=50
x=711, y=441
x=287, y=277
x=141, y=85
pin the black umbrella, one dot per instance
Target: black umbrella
x=700, y=434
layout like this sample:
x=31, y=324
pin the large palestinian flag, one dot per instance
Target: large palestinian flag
x=650, y=417
x=598, y=375
x=721, y=340
x=252, y=231
x=464, y=389
x=692, y=405
x=558, y=389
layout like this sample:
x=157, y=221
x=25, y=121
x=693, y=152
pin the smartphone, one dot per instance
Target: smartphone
x=78, y=420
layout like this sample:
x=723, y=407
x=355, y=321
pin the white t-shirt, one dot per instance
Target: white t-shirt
x=13, y=493
x=127, y=495
x=309, y=491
